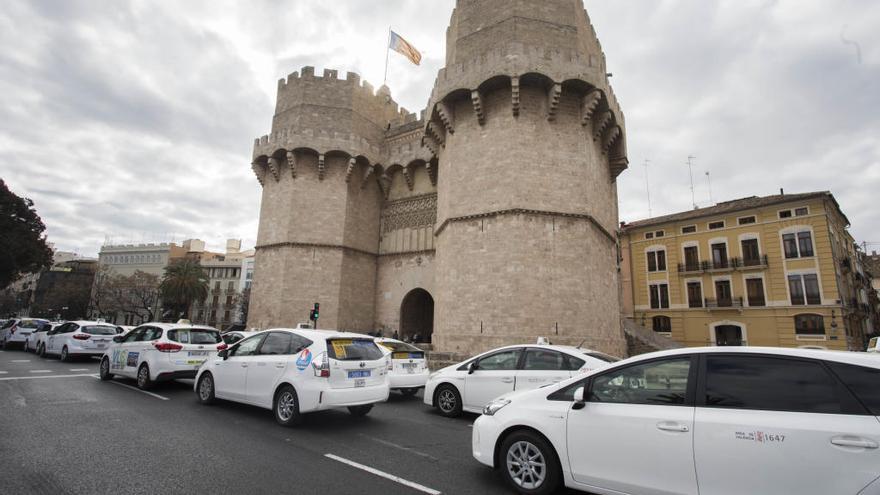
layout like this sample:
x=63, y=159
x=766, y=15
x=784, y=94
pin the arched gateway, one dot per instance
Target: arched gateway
x=417, y=316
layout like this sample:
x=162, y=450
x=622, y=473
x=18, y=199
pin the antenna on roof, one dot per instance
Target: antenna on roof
x=709, y=182
x=648, y=188
x=691, y=172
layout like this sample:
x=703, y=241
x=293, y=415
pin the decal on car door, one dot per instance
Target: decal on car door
x=132, y=359
x=117, y=359
x=305, y=357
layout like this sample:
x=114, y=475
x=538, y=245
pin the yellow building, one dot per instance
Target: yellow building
x=761, y=271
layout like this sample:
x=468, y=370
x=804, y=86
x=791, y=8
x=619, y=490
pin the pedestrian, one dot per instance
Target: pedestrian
x=395, y=336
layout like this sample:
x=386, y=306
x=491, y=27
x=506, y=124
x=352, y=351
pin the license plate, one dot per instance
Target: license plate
x=195, y=362
x=360, y=382
x=101, y=345
x=197, y=353
x=359, y=374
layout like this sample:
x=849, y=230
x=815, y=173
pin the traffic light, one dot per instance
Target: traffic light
x=315, y=311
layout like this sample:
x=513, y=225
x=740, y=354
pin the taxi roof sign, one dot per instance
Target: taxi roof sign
x=184, y=321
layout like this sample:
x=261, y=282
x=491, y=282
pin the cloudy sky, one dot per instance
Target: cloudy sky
x=133, y=121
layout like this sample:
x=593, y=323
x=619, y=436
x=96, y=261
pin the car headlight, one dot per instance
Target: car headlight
x=494, y=406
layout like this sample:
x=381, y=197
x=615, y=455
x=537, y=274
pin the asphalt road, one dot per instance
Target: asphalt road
x=63, y=431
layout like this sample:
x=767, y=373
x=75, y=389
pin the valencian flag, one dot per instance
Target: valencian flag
x=401, y=46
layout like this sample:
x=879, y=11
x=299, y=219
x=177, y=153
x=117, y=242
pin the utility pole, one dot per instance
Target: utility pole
x=691, y=172
x=648, y=188
x=709, y=182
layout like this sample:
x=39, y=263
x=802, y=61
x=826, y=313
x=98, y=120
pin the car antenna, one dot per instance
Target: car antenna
x=582, y=343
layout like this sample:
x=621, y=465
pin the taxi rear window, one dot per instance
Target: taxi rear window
x=30, y=323
x=602, y=357
x=99, y=330
x=194, y=336
x=353, y=349
x=402, y=350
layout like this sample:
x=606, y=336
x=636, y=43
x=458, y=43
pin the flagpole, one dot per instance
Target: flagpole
x=387, y=50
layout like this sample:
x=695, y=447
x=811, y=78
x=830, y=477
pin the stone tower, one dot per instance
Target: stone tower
x=529, y=140
x=490, y=219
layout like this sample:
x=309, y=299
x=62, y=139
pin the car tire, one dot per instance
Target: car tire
x=205, y=389
x=41, y=350
x=143, y=377
x=448, y=400
x=286, y=406
x=65, y=356
x=529, y=463
x=360, y=411
x=104, y=370
x=409, y=392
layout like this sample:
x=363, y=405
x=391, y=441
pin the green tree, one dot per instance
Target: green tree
x=23, y=247
x=184, y=283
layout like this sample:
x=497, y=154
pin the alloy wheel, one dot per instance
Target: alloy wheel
x=206, y=388
x=446, y=400
x=526, y=465
x=286, y=406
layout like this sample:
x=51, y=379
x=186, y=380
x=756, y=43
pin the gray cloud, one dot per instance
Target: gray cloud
x=135, y=119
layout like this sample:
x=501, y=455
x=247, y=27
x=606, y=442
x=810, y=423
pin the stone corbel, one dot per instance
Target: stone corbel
x=291, y=162
x=429, y=142
x=617, y=165
x=445, y=114
x=350, y=169
x=553, y=101
x=601, y=124
x=432, y=173
x=609, y=137
x=591, y=101
x=258, y=171
x=385, y=184
x=436, y=133
x=321, y=166
x=366, y=178
x=514, y=95
x=274, y=167
x=477, y=100
x=408, y=178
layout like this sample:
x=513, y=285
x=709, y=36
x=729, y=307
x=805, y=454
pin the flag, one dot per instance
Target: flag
x=401, y=46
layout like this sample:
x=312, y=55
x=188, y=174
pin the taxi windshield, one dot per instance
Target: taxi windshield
x=353, y=349
x=194, y=336
x=398, y=346
x=99, y=330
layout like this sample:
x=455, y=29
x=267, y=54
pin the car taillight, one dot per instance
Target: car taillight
x=321, y=366
x=81, y=336
x=222, y=347
x=167, y=347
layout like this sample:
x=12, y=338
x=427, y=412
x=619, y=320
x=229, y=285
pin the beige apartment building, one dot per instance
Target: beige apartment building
x=221, y=307
x=777, y=270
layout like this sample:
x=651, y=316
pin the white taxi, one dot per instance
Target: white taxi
x=78, y=338
x=713, y=420
x=18, y=330
x=296, y=371
x=409, y=370
x=470, y=385
x=156, y=352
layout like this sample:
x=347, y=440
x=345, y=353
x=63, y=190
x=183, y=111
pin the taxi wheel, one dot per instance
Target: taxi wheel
x=286, y=406
x=206, y=389
x=360, y=411
x=448, y=400
x=529, y=463
x=409, y=392
x=104, y=370
x=65, y=356
x=143, y=377
x=41, y=350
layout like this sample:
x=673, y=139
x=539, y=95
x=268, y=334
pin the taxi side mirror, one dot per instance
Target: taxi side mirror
x=117, y=339
x=473, y=366
x=224, y=354
x=578, y=396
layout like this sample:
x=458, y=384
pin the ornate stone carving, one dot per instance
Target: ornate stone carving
x=410, y=213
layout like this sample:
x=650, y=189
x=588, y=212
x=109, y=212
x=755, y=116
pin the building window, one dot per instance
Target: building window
x=785, y=214
x=229, y=300
x=230, y=286
x=226, y=316
x=659, y=296
x=690, y=229
x=649, y=235
x=656, y=260
x=215, y=301
x=798, y=245
x=751, y=254
x=809, y=325
x=746, y=220
x=695, y=294
x=217, y=285
x=723, y=294
x=803, y=210
x=719, y=255
x=661, y=324
x=755, y=291
x=691, y=258
x=660, y=233
x=804, y=289
x=716, y=225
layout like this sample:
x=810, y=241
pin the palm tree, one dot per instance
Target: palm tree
x=184, y=282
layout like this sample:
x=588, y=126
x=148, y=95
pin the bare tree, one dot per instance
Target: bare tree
x=100, y=301
x=136, y=294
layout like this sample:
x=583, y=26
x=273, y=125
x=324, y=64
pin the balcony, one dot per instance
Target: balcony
x=722, y=304
x=748, y=263
x=692, y=267
x=720, y=265
x=760, y=262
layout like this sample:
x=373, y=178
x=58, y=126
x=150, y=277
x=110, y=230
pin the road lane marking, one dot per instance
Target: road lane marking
x=401, y=447
x=41, y=371
x=79, y=369
x=3, y=372
x=151, y=394
x=20, y=361
x=44, y=376
x=396, y=479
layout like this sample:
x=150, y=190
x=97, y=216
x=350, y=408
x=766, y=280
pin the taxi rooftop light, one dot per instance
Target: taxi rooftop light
x=184, y=321
x=543, y=341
